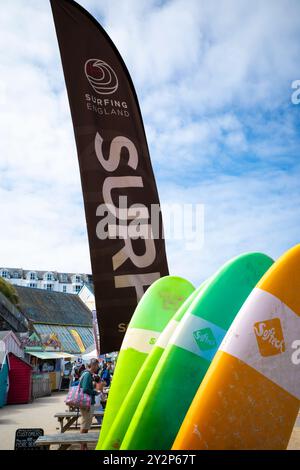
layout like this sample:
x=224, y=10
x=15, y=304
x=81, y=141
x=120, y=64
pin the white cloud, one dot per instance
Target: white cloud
x=257, y=212
x=207, y=54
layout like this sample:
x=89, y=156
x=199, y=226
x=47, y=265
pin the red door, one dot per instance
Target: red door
x=19, y=380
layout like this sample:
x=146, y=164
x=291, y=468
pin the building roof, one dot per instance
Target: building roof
x=65, y=278
x=42, y=306
x=66, y=337
x=91, y=348
x=5, y=333
x=10, y=354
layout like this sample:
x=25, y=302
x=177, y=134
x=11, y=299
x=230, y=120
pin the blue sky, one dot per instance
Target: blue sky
x=214, y=84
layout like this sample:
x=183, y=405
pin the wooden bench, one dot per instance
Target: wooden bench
x=71, y=417
x=64, y=441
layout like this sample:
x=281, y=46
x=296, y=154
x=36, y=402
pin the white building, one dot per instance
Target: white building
x=69, y=283
x=87, y=296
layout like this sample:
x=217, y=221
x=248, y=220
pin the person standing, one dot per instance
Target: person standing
x=106, y=374
x=86, y=383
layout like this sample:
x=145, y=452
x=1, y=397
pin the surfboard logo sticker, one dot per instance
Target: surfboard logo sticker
x=269, y=337
x=205, y=339
x=152, y=341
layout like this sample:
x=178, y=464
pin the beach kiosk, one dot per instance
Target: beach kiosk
x=19, y=375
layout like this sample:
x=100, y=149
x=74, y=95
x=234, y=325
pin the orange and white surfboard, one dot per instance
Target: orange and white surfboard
x=250, y=396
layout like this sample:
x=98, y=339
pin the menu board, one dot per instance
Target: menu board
x=25, y=438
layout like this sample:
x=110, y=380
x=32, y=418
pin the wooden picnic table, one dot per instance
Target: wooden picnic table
x=71, y=417
x=64, y=441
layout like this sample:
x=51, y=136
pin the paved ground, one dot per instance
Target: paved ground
x=41, y=413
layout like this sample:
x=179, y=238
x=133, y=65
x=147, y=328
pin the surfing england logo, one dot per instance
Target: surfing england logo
x=101, y=76
x=269, y=337
x=205, y=339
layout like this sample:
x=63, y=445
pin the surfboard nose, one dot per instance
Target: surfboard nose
x=283, y=279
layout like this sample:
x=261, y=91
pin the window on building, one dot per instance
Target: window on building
x=64, y=278
x=32, y=276
x=49, y=287
x=49, y=277
x=65, y=289
x=16, y=275
x=33, y=285
x=77, y=289
x=5, y=274
x=77, y=279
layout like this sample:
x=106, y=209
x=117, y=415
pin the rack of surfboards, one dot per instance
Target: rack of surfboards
x=217, y=367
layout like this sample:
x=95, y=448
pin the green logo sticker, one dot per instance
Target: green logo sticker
x=152, y=341
x=205, y=339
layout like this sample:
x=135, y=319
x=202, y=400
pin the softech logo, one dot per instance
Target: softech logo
x=101, y=76
x=205, y=339
x=269, y=336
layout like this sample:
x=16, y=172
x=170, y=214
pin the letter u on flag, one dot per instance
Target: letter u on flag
x=119, y=190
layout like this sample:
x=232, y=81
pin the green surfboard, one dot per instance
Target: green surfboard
x=191, y=348
x=119, y=427
x=154, y=311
